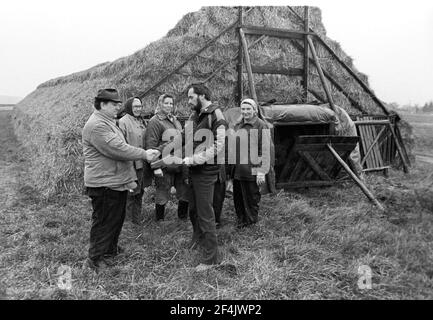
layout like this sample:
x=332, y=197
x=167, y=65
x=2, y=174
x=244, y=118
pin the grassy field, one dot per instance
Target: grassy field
x=307, y=245
x=423, y=131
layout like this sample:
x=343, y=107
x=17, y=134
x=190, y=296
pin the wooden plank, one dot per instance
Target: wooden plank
x=204, y=47
x=371, y=122
x=400, y=139
x=399, y=149
x=237, y=55
x=317, y=95
x=313, y=164
x=328, y=76
x=376, y=169
x=300, y=165
x=304, y=184
x=363, y=136
x=306, y=123
x=311, y=174
x=308, y=173
x=282, y=71
x=306, y=53
x=369, y=140
x=374, y=143
x=322, y=76
x=249, y=71
x=319, y=139
x=321, y=147
x=345, y=66
x=274, y=32
x=377, y=157
x=356, y=179
x=240, y=58
x=336, y=168
x=289, y=162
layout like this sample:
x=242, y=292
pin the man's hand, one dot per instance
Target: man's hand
x=196, y=159
x=188, y=161
x=158, y=173
x=260, y=179
x=152, y=154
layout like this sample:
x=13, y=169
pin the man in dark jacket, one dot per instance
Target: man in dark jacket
x=108, y=175
x=204, y=169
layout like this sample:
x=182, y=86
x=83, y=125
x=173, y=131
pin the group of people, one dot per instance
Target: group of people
x=119, y=153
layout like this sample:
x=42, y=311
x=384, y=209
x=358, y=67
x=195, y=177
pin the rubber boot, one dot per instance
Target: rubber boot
x=182, y=210
x=159, y=212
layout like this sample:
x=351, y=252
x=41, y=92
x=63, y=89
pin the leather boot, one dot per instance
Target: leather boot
x=159, y=211
x=182, y=210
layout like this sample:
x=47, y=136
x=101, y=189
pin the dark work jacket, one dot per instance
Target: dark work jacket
x=210, y=118
x=243, y=171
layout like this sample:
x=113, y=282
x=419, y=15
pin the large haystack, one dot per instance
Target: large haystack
x=49, y=120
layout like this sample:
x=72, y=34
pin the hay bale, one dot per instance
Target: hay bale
x=49, y=120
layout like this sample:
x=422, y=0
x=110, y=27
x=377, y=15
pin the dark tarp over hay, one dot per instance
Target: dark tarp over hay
x=49, y=120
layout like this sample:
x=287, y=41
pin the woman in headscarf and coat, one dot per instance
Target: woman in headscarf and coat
x=134, y=130
x=167, y=177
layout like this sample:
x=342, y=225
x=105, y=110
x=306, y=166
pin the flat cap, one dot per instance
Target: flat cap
x=108, y=94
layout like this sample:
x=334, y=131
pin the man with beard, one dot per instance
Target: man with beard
x=204, y=170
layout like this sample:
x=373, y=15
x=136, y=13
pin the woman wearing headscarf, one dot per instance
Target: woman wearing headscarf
x=134, y=130
x=176, y=176
x=248, y=173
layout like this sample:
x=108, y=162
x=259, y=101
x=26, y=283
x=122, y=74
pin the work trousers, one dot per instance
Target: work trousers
x=246, y=197
x=134, y=201
x=202, y=215
x=107, y=221
x=163, y=185
x=218, y=199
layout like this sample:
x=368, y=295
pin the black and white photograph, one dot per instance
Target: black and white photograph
x=216, y=155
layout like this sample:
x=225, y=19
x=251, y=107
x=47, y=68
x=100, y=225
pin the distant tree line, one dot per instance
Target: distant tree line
x=428, y=107
x=416, y=108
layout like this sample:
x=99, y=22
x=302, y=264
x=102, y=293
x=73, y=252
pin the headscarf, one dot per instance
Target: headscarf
x=127, y=108
x=161, y=101
x=252, y=103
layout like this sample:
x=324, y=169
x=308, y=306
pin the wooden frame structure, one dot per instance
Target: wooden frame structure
x=369, y=138
x=317, y=160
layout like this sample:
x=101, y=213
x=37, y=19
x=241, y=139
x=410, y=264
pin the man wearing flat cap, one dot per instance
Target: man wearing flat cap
x=108, y=176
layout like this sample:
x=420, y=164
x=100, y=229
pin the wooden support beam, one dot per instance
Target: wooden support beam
x=304, y=184
x=313, y=164
x=317, y=95
x=345, y=66
x=328, y=76
x=225, y=64
x=322, y=77
x=282, y=71
x=275, y=32
x=249, y=70
x=399, y=149
x=371, y=122
x=355, y=178
x=204, y=47
x=376, y=169
x=240, y=57
x=306, y=53
x=400, y=139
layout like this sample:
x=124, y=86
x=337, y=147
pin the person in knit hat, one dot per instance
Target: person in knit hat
x=248, y=176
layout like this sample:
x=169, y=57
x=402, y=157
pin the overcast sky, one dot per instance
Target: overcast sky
x=390, y=41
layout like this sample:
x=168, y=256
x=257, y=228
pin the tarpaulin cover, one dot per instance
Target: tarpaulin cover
x=306, y=113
